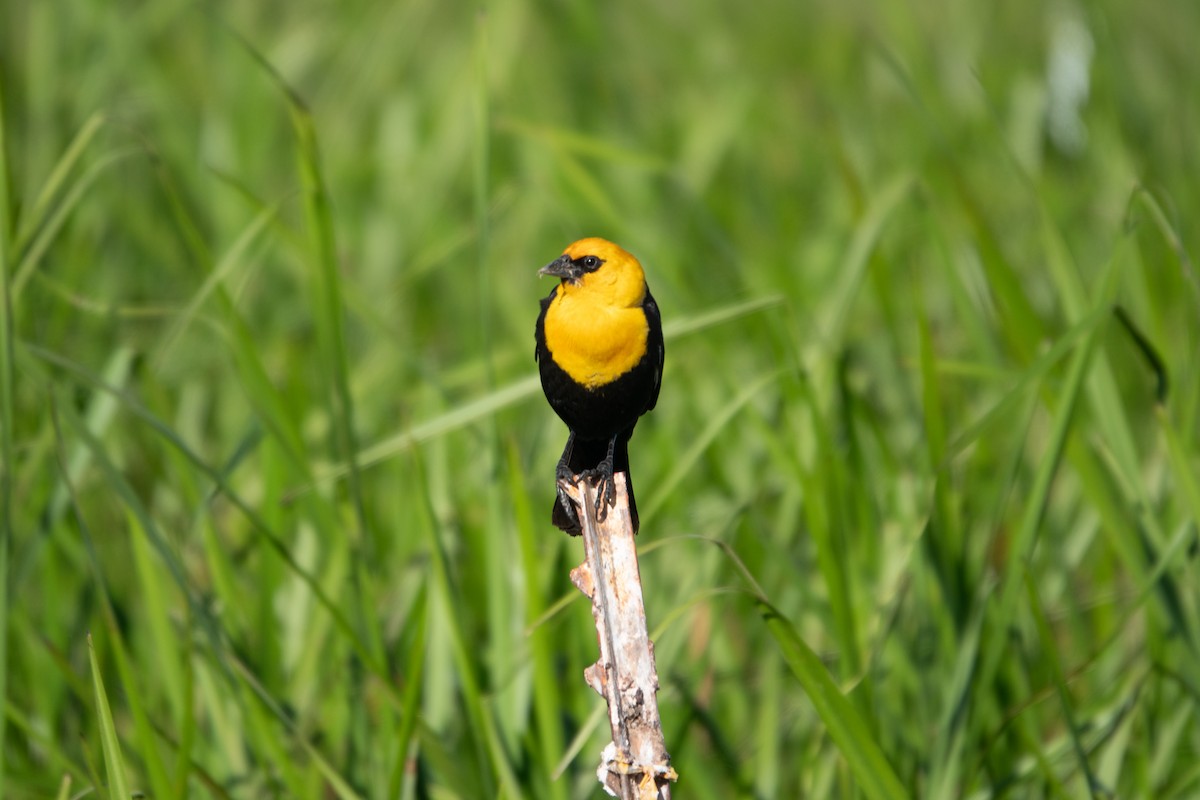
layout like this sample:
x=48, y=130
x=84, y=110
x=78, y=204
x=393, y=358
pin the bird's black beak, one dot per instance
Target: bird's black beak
x=563, y=267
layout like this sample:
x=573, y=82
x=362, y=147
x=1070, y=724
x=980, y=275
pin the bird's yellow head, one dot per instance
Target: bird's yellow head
x=601, y=271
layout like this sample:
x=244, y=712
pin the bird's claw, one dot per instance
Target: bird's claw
x=606, y=490
x=564, y=478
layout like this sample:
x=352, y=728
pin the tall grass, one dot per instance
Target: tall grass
x=920, y=498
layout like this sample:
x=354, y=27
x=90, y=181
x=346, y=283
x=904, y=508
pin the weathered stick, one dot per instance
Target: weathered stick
x=635, y=765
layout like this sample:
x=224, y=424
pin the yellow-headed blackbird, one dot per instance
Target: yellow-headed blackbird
x=600, y=355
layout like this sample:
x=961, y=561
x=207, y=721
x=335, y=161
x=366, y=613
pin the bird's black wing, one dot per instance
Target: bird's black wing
x=539, y=331
x=654, y=343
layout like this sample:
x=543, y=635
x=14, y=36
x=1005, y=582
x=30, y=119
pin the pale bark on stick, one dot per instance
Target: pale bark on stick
x=635, y=765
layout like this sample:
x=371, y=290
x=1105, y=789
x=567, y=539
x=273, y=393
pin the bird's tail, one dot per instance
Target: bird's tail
x=587, y=455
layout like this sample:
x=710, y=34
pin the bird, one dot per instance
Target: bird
x=599, y=350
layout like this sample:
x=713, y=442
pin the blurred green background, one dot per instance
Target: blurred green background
x=271, y=435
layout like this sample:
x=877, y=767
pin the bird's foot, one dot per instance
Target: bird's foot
x=606, y=488
x=564, y=477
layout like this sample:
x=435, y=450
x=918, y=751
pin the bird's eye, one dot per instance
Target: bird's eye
x=590, y=262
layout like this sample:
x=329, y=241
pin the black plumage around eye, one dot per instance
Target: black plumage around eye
x=591, y=262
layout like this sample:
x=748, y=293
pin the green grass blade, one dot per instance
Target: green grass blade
x=164, y=430
x=547, y=697
x=325, y=281
x=54, y=749
x=7, y=463
x=231, y=261
x=326, y=293
x=687, y=324
x=166, y=664
x=1170, y=234
x=410, y=717
x=64, y=788
x=487, y=738
x=581, y=144
x=953, y=730
x=868, y=765
x=1026, y=535
x=714, y=428
x=35, y=217
x=1187, y=481
x=1029, y=377
x=37, y=249
x=1050, y=649
x=147, y=740
x=836, y=309
x=114, y=766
